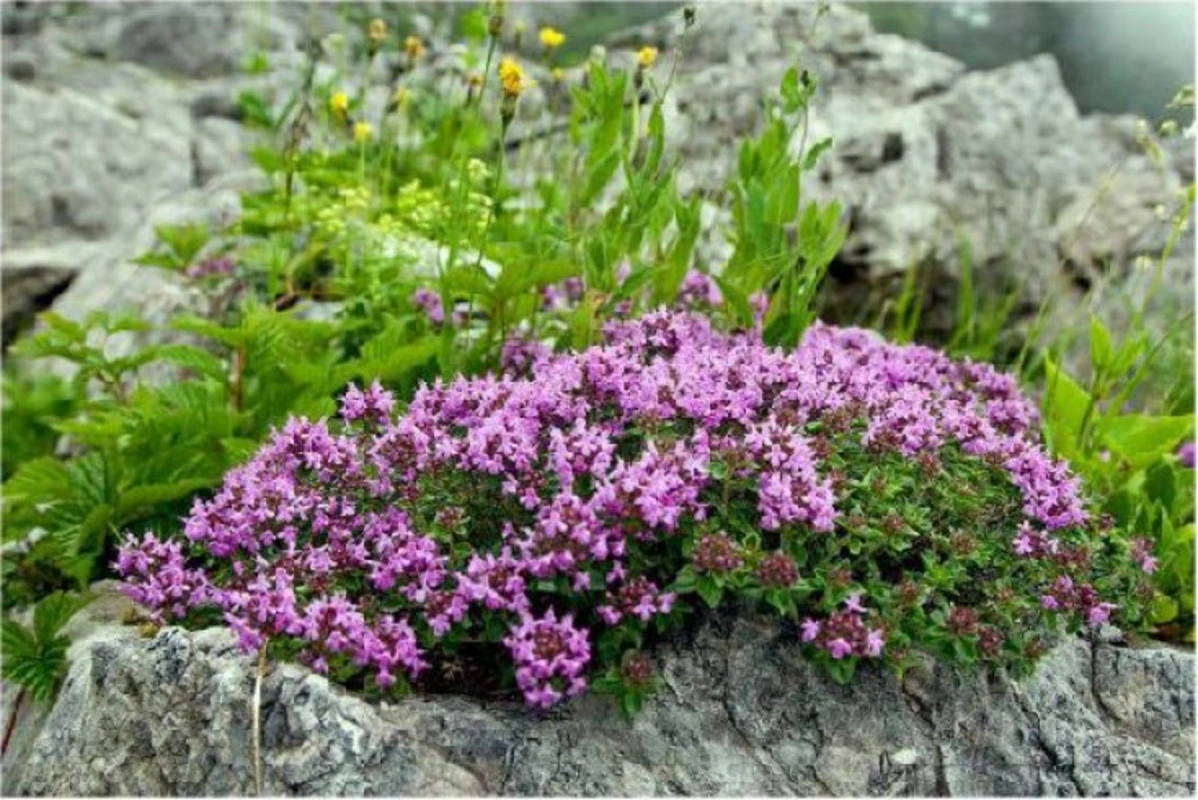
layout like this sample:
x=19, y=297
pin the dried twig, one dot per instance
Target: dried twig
x=256, y=716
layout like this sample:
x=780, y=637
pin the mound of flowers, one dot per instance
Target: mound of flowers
x=881, y=499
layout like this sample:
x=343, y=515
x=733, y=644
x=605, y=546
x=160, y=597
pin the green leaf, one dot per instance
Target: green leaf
x=36, y=659
x=599, y=177
x=193, y=358
x=139, y=498
x=817, y=150
x=842, y=670
x=233, y=337
x=1065, y=405
x=789, y=88
x=255, y=112
x=710, y=591
x=1164, y=609
x=17, y=641
x=268, y=159
x=631, y=703
x=1101, y=349
x=239, y=450
x=1140, y=439
x=54, y=611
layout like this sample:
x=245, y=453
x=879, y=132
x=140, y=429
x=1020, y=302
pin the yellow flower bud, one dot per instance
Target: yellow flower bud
x=552, y=38
x=558, y=74
x=414, y=47
x=362, y=132
x=339, y=103
x=377, y=30
x=646, y=57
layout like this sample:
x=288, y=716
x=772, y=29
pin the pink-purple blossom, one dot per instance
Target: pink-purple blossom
x=1185, y=454
x=342, y=536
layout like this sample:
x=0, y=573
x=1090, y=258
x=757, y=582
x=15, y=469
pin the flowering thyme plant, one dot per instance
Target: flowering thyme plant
x=884, y=499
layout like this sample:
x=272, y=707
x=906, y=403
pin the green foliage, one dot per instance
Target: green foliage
x=781, y=246
x=145, y=450
x=34, y=657
x=32, y=403
x=180, y=244
x=313, y=286
x=1120, y=426
x=1130, y=460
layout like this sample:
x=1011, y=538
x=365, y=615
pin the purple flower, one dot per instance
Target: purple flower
x=430, y=302
x=853, y=605
x=699, y=289
x=218, y=266
x=1023, y=544
x=358, y=538
x=551, y=657
x=521, y=353
x=1100, y=613
x=1141, y=553
x=376, y=404
x=1185, y=454
x=759, y=302
x=716, y=553
x=839, y=648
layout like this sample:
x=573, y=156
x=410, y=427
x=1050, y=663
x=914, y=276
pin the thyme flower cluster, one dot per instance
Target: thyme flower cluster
x=547, y=515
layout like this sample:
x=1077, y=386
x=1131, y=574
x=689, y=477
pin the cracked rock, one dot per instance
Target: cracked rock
x=741, y=713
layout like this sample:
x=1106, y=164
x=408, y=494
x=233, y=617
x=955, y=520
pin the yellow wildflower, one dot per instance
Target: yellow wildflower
x=339, y=103
x=511, y=75
x=558, y=74
x=647, y=56
x=362, y=132
x=414, y=47
x=552, y=38
x=377, y=30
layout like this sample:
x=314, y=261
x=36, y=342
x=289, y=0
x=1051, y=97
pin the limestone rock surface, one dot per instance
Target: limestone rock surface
x=740, y=713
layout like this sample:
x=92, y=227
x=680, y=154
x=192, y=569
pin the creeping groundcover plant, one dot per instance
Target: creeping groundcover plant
x=537, y=532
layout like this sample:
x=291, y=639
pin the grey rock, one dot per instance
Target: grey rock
x=925, y=156
x=220, y=146
x=740, y=713
x=28, y=290
x=198, y=40
x=107, y=121
x=82, y=166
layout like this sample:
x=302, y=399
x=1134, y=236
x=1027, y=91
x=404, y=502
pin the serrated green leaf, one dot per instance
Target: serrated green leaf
x=193, y=358
x=54, y=611
x=138, y=498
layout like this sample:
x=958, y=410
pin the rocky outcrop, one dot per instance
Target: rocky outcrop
x=929, y=159
x=740, y=713
x=106, y=125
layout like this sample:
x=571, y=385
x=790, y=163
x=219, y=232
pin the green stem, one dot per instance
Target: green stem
x=457, y=198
